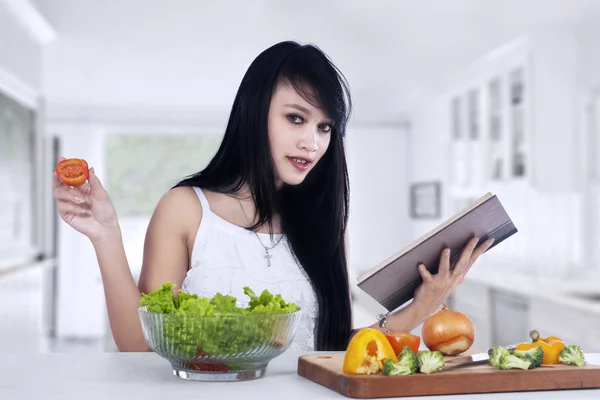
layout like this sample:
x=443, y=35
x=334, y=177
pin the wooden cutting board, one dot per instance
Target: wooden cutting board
x=326, y=370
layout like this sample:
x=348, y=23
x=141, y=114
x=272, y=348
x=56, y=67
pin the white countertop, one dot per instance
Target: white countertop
x=557, y=289
x=146, y=376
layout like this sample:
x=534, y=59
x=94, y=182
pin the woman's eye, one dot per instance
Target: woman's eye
x=326, y=127
x=295, y=118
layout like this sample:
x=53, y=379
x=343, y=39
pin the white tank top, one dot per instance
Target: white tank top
x=227, y=257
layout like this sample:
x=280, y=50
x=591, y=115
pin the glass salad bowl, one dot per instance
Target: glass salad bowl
x=223, y=347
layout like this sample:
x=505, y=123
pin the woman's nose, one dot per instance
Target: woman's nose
x=308, y=141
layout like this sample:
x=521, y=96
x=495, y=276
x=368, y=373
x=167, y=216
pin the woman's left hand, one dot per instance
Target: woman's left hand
x=435, y=289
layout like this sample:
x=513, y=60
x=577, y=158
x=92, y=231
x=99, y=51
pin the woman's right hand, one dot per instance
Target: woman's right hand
x=436, y=288
x=86, y=208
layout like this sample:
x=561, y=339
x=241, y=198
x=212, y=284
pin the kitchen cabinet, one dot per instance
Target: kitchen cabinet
x=510, y=318
x=472, y=299
x=513, y=120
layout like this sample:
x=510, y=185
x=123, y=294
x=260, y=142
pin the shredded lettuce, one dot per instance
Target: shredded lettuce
x=222, y=332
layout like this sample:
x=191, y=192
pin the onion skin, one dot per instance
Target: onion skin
x=449, y=332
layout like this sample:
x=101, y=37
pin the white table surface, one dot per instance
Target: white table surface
x=145, y=376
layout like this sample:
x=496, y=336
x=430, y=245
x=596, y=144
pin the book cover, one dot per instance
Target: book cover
x=393, y=282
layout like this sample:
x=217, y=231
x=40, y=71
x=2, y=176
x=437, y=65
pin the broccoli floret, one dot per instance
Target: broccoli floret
x=572, y=355
x=409, y=357
x=430, y=361
x=407, y=364
x=534, y=355
x=533, y=361
x=510, y=361
x=395, y=369
x=497, y=352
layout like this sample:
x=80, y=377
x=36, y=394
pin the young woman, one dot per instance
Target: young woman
x=269, y=211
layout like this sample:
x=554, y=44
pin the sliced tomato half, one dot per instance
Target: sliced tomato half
x=73, y=171
x=201, y=364
x=400, y=339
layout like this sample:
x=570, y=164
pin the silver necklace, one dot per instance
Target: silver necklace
x=267, y=256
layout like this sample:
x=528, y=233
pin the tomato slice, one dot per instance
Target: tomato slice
x=400, y=339
x=73, y=171
x=208, y=366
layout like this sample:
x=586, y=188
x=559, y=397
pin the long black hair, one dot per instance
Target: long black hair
x=314, y=214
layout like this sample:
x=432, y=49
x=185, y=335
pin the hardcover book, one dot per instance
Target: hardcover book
x=393, y=282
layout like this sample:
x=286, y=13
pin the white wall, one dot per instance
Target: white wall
x=20, y=54
x=429, y=155
x=589, y=42
x=171, y=78
x=590, y=83
x=378, y=167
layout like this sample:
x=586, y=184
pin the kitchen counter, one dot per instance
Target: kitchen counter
x=578, y=292
x=145, y=376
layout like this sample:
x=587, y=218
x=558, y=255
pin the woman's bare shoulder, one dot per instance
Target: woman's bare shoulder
x=169, y=237
x=179, y=201
x=182, y=209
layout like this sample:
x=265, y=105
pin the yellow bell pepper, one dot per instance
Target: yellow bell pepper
x=367, y=351
x=550, y=339
x=551, y=346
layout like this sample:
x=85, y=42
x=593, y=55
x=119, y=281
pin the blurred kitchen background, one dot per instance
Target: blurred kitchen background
x=453, y=99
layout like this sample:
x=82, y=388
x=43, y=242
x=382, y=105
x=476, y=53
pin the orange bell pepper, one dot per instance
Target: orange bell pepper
x=551, y=339
x=551, y=346
x=557, y=346
x=367, y=351
x=400, y=339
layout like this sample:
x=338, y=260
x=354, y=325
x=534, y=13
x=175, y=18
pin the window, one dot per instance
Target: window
x=17, y=179
x=140, y=169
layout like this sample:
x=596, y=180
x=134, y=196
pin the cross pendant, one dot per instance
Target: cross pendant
x=268, y=257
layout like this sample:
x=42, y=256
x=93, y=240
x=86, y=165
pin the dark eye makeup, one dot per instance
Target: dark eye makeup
x=297, y=120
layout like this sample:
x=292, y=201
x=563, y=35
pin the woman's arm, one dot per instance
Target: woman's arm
x=121, y=294
x=404, y=320
x=89, y=210
x=165, y=259
x=435, y=289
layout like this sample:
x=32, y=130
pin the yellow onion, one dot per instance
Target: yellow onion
x=449, y=332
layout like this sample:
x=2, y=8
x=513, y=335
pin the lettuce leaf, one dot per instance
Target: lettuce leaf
x=222, y=332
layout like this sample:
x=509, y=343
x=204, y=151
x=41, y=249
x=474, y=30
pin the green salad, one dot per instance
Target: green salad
x=224, y=334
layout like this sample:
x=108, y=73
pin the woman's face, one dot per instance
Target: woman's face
x=299, y=134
